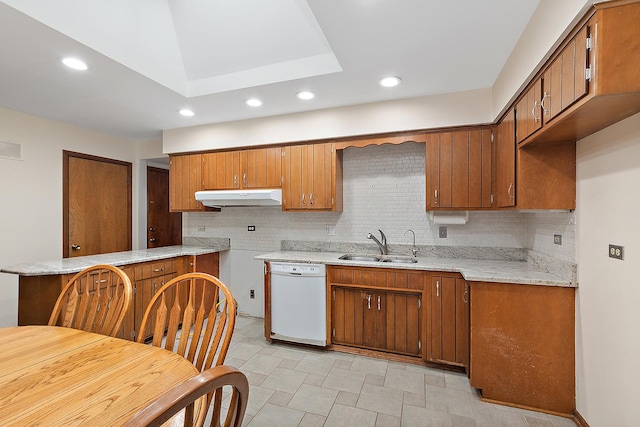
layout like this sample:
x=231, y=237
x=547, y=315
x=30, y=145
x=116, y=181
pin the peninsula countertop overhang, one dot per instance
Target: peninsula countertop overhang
x=74, y=265
x=473, y=270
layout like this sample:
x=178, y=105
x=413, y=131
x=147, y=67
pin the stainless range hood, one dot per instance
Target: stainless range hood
x=222, y=198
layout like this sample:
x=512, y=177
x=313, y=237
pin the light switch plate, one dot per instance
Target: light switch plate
x=442, y=232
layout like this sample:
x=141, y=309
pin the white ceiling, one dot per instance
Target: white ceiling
x=150, y=58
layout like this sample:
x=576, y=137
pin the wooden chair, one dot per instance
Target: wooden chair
x=202, y=309
x=95, y=300
x=190, y=396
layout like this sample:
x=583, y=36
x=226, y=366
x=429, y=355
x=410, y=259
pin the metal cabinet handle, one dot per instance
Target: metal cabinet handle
x=244, y=179
x=436, y=196
x=302, y=200
x=465, y=294
x=369, y=302
x=152, y=240
x=544, y=109
x=509, y=190
x=378, y=302
x=533, y=112
x=311, y=199
x=437, y=288
x=75, y=247
x=235, y=180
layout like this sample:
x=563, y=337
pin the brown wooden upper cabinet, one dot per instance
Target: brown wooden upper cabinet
x=533, y=176
x=249, y=169
x=590, y=82
x=459, y=169
x=185, y=178
x=311, y=178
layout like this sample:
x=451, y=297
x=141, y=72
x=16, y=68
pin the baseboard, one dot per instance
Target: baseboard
x=577, y=418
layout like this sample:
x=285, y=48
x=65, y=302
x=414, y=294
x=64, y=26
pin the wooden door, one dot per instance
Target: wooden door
x=505, y=154
x=261, y=168
x=185, y=178
x=96, y=205
x=164, y=228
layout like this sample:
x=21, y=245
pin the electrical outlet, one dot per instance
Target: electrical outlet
x=557, y=239
x=251, y=228
x=201, y=228
x=442, y=232
x=616, y=252
x=330, y=230
x=252, y=294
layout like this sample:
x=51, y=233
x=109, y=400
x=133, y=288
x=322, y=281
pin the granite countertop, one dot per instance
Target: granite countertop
x=475, y=270
x=74, y=265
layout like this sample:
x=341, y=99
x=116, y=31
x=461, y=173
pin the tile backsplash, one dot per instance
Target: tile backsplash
x=384, y=188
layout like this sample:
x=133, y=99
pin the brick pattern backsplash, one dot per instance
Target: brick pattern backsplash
x=384, y=188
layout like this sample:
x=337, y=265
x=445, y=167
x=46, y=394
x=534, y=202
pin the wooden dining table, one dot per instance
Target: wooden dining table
x=54, y=376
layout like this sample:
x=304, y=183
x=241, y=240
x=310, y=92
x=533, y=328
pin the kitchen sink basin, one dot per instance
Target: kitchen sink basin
x=352, y=257
x=401, y=260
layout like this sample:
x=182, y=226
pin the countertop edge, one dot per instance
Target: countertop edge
x=118, y=259
x=472, y=270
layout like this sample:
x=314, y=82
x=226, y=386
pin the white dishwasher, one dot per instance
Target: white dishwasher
x=299, y=303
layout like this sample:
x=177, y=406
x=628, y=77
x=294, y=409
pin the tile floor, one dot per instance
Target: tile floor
x=293, y=386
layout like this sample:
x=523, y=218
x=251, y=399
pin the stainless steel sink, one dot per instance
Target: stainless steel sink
x=401, y=260
x=353, y=257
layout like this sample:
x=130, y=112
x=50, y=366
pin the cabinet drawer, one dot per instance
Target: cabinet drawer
x=377, y=277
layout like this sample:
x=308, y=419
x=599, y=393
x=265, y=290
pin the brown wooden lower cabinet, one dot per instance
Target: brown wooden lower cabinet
x=38, y=294
x=523, y=345
x=377, y=309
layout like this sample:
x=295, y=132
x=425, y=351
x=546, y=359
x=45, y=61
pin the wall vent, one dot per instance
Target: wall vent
x=10, y=150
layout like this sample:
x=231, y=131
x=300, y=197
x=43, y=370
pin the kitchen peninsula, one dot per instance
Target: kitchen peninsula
x=40, y=283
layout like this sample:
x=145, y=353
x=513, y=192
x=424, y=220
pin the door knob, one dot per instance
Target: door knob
x=75, y=247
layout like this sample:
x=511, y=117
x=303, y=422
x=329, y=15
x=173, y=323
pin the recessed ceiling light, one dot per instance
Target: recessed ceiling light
x=253, y=102
x=305, y=94
x=75, y=63
x=186, y=112
x=390, y=81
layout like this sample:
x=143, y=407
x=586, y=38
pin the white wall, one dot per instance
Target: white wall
x=608, y=297
x=31, y=192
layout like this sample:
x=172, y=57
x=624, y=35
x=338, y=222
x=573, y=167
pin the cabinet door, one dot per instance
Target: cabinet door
x=261, y=168
x=459, y=169
x=403, y=312
x=347, y=317
x=529, y=112
x=449, y=333
x=221, y=170
x=185, y=178
x=505, y=153
x=565, y=81
x=307, y=177
x=439, y=169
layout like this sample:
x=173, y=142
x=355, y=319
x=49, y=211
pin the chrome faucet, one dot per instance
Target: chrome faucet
x=414, y=250
x=382, y=245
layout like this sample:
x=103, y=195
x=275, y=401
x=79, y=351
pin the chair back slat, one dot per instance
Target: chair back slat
x=94, y=300
x=206, y=325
